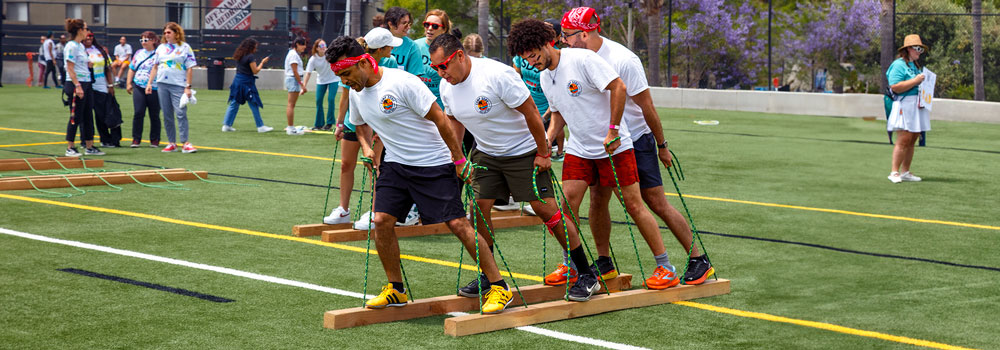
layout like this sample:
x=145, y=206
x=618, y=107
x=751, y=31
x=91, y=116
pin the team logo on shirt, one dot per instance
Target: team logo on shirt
x=573, y=87
x=388, y=104
x=483, y=104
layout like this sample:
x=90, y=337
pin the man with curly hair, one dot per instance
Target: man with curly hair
x=587, y=95
x=417, y=169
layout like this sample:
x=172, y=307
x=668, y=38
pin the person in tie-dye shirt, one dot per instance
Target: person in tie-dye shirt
x=173, y=64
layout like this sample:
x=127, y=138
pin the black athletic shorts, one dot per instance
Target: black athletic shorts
x=435, y=190
x=647, y=161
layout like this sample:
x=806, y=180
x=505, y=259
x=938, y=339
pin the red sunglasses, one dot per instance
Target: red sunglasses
x=444, y=65
x=433, y=26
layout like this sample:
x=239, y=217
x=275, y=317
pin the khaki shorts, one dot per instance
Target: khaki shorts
x=509, y=176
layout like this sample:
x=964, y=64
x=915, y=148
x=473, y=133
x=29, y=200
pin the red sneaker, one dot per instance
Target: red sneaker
x=189, y=148
x=662, y=279
x=170, y=148
x=558, y=277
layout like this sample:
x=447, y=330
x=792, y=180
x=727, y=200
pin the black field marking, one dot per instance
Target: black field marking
x=842, y=250
x=886, y=142
x=215, y=174
x=183, y=292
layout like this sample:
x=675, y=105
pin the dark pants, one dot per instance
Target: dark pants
x=82, y=109
x=50, y=68
x=61, y=66
x=109, y=135
x=142, y=102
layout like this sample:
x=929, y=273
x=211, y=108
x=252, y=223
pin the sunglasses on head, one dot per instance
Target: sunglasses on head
x=433, y=26
x=444, y=65
x=918, y=49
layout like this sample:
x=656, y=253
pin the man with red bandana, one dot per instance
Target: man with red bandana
x=587, y=95
x=418, y=167
x=579, y=26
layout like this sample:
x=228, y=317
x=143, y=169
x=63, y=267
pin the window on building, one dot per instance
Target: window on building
x=98, y=11
x=17, y=11
x=74, y=11
x=281, y=14
x=179, y=12
x=316, y=16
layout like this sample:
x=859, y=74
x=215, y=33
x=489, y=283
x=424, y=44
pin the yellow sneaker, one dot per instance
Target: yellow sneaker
x=388, y=297
x=496, y=300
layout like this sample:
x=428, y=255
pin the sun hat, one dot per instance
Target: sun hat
x=912, y=40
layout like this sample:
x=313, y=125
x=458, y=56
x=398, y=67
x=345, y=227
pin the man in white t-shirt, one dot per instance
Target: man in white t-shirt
x=418, y=169
x=490, y=100
x=123, y=53
x=581, y=29
x=49, y=57
x=586, y=94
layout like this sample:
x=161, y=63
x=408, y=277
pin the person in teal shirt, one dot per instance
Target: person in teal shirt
x=407, y=54
x=436, y=22
x=904, y=78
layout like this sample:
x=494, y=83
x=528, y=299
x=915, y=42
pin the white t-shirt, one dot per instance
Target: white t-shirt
x=629, y=68
x=292, y=57
x=123, y=52
x=485, y=104
x=576, y=89
x=48, y=49
x=395, y=108
x=173, y=61
x=100, y=76
x=324, y=75
x=76, y=53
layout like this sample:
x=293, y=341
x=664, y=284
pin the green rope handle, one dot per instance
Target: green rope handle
x=329, y=184
x=12, y=175
x=39, y=172
x=694, y=230
x=489, y=230
x=368, y=243
x=165, y=179
x=566, y=207
x=218, y=182
x=621, y=200
x=52, y=194
x=405, y=280
x=534, y=184
x=82, y=192
x=129, y=173
x=84, y=163
x=115, y=188
x=680, y=170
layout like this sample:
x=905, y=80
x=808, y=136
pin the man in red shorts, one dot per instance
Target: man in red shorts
x=586, y=94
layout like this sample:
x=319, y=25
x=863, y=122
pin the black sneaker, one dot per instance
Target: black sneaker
x=605, y=267
x=472, y=289
x=698, y=270
x=328, y=127
x=93, y=151
x=72, y=152
x=585, y=286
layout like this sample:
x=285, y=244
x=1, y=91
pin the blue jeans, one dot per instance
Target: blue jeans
x=234, y=107
x=331, y=118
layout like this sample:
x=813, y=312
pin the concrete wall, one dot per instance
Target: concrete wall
x=803, y=103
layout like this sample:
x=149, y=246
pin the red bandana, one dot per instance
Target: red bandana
x=579, y=19
x=350, y=61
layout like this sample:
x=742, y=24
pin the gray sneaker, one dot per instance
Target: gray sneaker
x=585, y=286
x=72, y=152
x=94, y=151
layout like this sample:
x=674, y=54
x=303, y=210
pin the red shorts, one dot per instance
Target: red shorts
x=597, y=172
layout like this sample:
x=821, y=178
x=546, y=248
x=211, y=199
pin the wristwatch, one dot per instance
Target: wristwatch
x=662, y=145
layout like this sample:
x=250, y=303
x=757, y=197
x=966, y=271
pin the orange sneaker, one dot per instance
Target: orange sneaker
x=558, y=277
x=662, y=279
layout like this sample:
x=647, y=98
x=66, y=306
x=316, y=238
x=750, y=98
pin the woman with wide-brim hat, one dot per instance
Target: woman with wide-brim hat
x=904, y=78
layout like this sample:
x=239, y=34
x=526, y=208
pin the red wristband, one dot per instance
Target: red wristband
x=545, y=156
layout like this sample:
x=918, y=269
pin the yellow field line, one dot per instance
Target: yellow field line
x=252, y=233
x=35, y=144
x=735, y=312
x=765, y=204
x=34, y=131
x=820, y=325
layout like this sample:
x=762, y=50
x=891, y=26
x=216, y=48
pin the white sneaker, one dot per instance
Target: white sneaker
x=909, y=177
x=364, y=221
x=227, y=128
x=264, y=128
x=511, y=205
x=895, y=177
x=411, y=218
x=338, y=216
x=294, y=131
x=528, y=211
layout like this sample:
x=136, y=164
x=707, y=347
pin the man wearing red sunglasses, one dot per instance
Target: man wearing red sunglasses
x=489, y=98
x=421, y=160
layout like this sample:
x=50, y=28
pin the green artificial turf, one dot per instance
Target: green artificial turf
x=886, y=275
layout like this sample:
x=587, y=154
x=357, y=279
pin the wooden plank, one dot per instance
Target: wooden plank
x=91, y=179
x=48, y=163
x=562, y=310
x=360, y=316
x=317, y=229
x=426, y=230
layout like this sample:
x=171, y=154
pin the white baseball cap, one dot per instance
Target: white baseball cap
x=378, y=38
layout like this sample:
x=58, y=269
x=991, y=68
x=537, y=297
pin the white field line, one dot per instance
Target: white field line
x=287, y=282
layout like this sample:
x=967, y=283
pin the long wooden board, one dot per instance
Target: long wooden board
x=94, y=179
x=426, y=230
x=562, y=310
x=359, y=316
x=48, y=163
x=317, y=229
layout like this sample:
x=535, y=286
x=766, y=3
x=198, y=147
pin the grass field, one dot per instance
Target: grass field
x=822, y=250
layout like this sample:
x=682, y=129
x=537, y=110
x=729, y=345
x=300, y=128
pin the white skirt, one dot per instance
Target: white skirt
x=908, y=117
